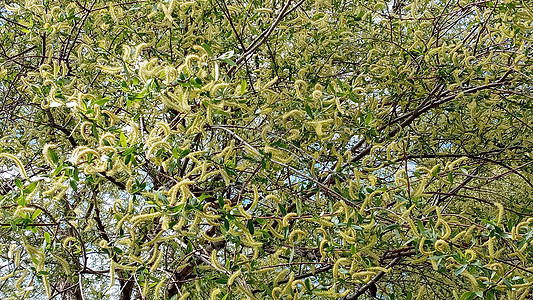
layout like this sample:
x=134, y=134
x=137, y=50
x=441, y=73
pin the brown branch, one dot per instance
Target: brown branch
x=372, y=281
x=422, y=108
x=13, y=22
x=455, y=190
x=263, y=36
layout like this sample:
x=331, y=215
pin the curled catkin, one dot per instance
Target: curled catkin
x=233, y=276
x=215, y=293
x=421, y=247
x=285, y=221
x=500, y=212
x=17, y=162
x=215, y=262
x=280, y=276
x=276, y=293
x=471, y=253
x=244, y=213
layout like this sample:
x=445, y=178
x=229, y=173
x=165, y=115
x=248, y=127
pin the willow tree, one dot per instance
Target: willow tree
x=266, y=149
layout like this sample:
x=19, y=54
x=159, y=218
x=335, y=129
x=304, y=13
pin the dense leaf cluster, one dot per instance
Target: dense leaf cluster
x=258, y=149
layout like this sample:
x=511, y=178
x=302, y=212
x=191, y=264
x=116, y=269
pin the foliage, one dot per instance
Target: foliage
x=266, y=149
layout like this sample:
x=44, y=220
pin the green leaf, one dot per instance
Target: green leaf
x=103, y=101
x=507, y=283
x=22, y=200
x=178, y=207
x=196, y=82
x=30, y=188
x=229, y=62
x=76, y=174
x=468, y=296
x=221, y=281
x=461, y=269
x=128, y=151
x=36, y=213
x=251, y=227
x=299, y=208
x=53, y=155
x=47, y=238
x=282, y=209
x=203, y=196
x=207, y=49
x=95, y=130
x=368, y=118
x=489, y=295
x=221, y=202
x=308, y=111
x=436, y=171
x=123, y=140
x=57, y=170
x=226, y=224
x=409, y=296
x=244, y=85
x=18, y=183
x=307, y=284
x=73, y=184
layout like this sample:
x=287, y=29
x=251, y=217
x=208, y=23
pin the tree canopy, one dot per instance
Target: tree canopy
x=266, y=149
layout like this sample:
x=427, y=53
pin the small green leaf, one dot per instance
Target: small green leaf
x=123, y=141
x=283, y=210
x=251, y=227
x=368, y=119
x=18, y=183
x=179, y=207
x=95, y=131
x=36, y=213
x=207, y=49
x=203, y=196
x=436, y=171
x=353, y=250
x=47, y=238
x=57, y=170
x=222, y=281
x=221, y=202
x=226, y=224
x=22, y=200
x=244, y=85
x=507, y=283
x=31, y=187
x=461, y=269
x=307, y=283
x=128, y=151
x=229, y=62
x=73, y=184
x=308, y=111
x=53, y=155
x=467, y=296
x=196, y=82
x=103, y=101
x=76, y=174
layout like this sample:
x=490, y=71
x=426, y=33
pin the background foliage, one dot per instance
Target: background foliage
x=266, y=149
